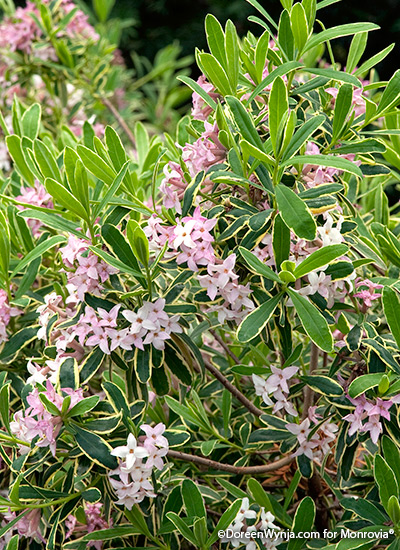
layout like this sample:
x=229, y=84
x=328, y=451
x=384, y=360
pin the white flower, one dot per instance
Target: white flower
x=245, y=512
x=130, y=452
x=328, y=233
x=267, y=520
x=261, y=389
x=182, y=234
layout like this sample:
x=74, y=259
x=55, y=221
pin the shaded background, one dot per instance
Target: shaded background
x=160, y=22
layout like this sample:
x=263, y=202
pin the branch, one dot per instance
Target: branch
x=225, y=346
x=230, y=387
x=213, y=464
x=119, y=119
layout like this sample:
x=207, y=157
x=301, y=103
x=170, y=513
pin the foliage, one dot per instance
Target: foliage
x=204, y=336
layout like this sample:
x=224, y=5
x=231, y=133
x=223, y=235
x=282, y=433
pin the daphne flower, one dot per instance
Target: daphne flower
x=154, y=435
x=329, y=234
x=130, y=452
x=182, y=234
x=301, y=431
x=245, y=512
x=280, y=377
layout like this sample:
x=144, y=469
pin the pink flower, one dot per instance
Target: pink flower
x=204, y=152
x=201, y=110
x=154, y=435
x=280, y=377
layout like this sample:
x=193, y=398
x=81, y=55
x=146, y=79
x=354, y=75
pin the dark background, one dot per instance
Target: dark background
x=160, y=22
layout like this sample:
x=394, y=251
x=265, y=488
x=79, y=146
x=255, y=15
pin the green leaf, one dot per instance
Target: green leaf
x=385, y=479
x=244, y=122
x=96, y=448
x=143, y=366
x=326, y=160
x=91, y=365
x=324, y=385
x=285, y=35
x=52, y=220
x=15, y=150
x=17, y=342
x=183, y=528
x=364, y=509
x=121, y=531
x=321, y=257
x=280, y=241
x=115, y=148
x=138, y=241
x=121, y=248
x=377, y=58
x=117, y=398
x=5, y=406
x=282, y=70
x=357, y=48
x=391, y=94
x=65, y=198
x=257, y=266
x=193, y=500
x=47, y=163
x=5, y=249
x=333, y=74
x=255, y=322
x=391, y=308
x=278, y=108
x=363, y=383
x=299, y=24
x=338, y=32
x=39, y=250
x=232, y=53
x=303, y=521
x=295, y=213
x=215, y=73
x=83, y=406
x=191, y=193
x=216, y=39
x=392, y=455
x=199, y=90
x=224, y=521
x=69, y=374
x=313, y=321
x=31, y=121
x=302, y=135
x=96, y=165
x=343, y=105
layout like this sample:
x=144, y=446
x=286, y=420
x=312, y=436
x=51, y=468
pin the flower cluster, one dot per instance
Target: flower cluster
x=277, y=385
x=87, y=272
x=221, y=280
x=37, y=422
x=36, y=196
x=6, y=312
x=370, y=411
x=200, y=109
x=368, y=294
x=239, y=528
x=313, y=443
x=134, y=474
x=95, y=521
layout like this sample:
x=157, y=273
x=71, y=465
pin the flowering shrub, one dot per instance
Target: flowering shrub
x=200, y=343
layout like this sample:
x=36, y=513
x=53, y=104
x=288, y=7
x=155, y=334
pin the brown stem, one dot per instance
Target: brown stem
x=225, y=346
x=231, y=388
x=264, y=468
x=308, y=392
x=119, y=119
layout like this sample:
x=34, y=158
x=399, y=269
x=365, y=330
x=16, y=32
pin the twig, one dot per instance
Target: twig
x=230, y=387
x=120, y=120
x=212, y=464
x=308, y=392
x=225, y=346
